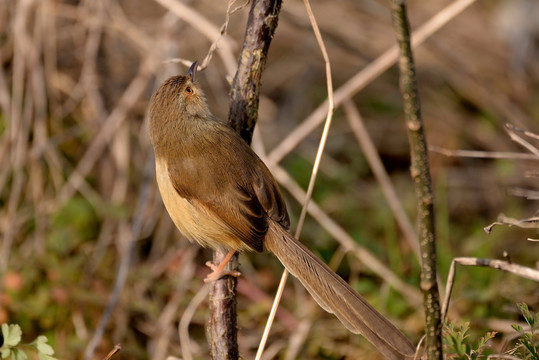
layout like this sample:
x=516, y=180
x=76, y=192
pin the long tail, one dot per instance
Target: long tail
x=335, y=296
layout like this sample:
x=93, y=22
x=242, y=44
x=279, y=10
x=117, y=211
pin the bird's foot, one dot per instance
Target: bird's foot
x=218, y=272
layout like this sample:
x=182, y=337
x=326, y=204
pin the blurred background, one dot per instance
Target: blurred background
x=78, y=197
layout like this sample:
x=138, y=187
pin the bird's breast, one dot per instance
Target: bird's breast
x=193, y=219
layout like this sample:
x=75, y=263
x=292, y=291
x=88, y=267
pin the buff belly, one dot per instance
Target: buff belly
x=193, y=220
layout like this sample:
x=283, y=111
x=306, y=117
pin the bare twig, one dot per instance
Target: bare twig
x=411, y=294
x=183, y=327
x=522, y=131
x=205, y=27
x=512, y=131
x=421, y=176
x=169, y=313
x=360, y=131
x=519, y=270
x=113, y=352
x=482, y=154
x=222, y=31
x=364, y=77
x=214, y=46
x=111, y=125
x=243, y=113
x=245, y=90
x=314, y=173
x=529, y=223
x=125, y=259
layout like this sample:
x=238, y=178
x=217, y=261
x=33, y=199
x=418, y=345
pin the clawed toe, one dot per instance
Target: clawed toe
x=218, y=272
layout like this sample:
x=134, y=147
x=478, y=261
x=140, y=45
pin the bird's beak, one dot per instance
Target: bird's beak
x=192, y=71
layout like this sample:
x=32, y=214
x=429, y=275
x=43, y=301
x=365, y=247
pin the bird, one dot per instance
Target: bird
x=221, y=195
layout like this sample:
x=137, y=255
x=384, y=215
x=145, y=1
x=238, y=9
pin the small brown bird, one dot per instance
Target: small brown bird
x=220, y=194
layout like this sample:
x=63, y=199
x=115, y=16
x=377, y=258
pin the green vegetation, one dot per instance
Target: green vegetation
x=11, y=347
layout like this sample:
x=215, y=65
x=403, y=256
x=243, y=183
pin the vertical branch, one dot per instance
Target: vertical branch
x=421, y=176
x=245, y=89
x=222, y=328
x=242, y=116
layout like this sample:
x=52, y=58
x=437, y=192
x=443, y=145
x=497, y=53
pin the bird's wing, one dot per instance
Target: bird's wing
x=226, y=178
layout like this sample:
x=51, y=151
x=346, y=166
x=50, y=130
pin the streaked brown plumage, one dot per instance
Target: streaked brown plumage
x=220, y=194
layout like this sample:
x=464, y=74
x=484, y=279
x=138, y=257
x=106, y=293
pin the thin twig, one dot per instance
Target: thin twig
x=423, y=184
x=183, y=326
x=169, y=313
x=125, y=259
x=522, y=131
x=482, y=154
x=364, y=77
x=512, y=131
x=529, y=223
x=205, y=27
x=112, y=123
x=410, y=293
x=113, y=352
x=373, y=158
x=314, y=173
x=519, y=270
x=222, y=31
x=242, y=116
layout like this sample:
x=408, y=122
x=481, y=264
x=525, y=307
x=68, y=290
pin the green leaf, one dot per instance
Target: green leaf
x=19, y=355
x=42, y=346
x=5, y=353
x=484, y=339
x=528, y=316
x=12, y=335
x=517, y=328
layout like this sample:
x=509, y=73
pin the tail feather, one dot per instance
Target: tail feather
x=335, y=296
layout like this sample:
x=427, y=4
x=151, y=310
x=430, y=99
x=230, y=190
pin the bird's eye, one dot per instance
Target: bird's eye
x=188, y=90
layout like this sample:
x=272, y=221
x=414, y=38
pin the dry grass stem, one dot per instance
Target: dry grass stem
x=411, y=294
x=205, y=27
x=314, y=172
x=185, y=320
x=77, y=237
x=482, y=154
x=117, y=348
x=164, y=324
x=112, y=124
x=522, y=131
x=528, y=223
x=518, y=270
x=297, y=339
x=512, y=131
x=360, y=131
x=128, y=234
x=364, y=77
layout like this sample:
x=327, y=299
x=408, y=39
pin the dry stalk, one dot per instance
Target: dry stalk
x=375, y=163
x=205, y=27
x=183, y=327
x=314, y=173
x=363, y=78
x=503, y=265
x=411, y=294
x=482, y=154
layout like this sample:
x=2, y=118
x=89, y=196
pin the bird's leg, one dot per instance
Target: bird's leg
x=218, y=271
